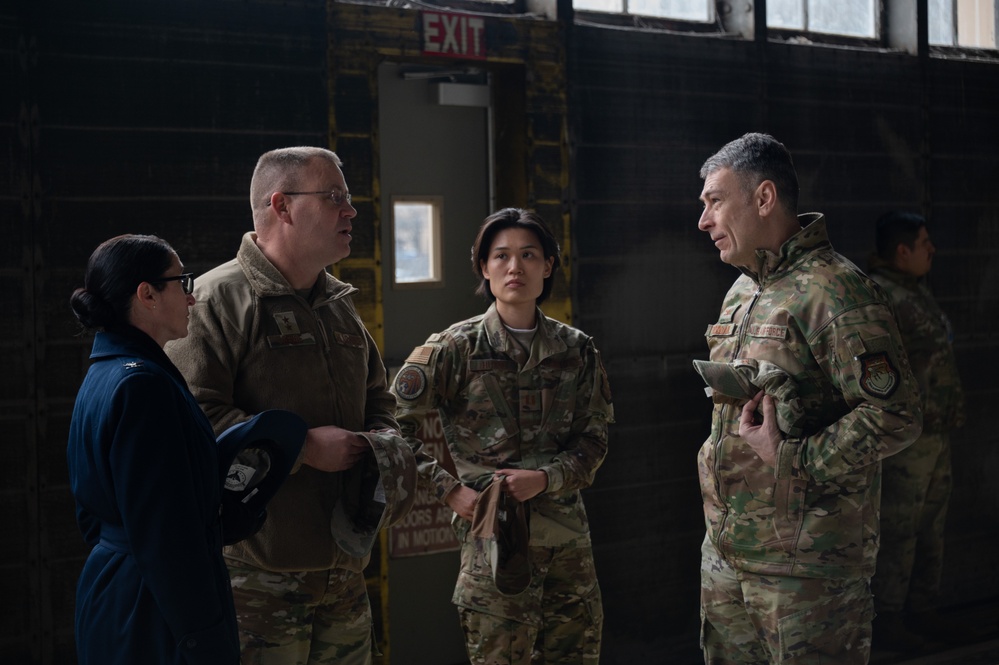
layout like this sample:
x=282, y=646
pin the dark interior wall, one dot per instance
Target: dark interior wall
x=869, y=131
x=135, y=117
x=117, y=117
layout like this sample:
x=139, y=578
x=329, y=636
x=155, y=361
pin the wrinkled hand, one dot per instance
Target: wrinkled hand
x=331, y=448
x=765, y=437
x=523, y=484
x=462, y=501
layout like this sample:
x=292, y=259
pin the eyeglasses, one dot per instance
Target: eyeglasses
x=336, y=196
x=186, y=281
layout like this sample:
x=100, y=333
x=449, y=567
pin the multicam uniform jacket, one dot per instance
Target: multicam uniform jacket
x=813, y=313
x=927, y=336
x=551, y=413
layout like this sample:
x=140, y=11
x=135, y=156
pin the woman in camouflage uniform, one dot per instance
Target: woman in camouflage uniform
x=525, y=404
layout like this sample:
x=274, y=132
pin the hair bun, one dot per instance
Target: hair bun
x=91, y=311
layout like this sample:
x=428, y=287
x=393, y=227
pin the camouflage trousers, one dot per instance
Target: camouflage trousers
x=768, y=619
x=915, y=492
x=302, y=618
x=557, y=620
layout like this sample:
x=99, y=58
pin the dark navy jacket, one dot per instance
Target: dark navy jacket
x=144, y=469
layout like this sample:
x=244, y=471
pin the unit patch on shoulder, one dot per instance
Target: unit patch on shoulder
x=410, y=382
x=878, y=376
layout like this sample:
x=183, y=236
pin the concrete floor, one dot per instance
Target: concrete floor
x=981, y=619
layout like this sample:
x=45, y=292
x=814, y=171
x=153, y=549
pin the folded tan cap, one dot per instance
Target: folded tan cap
x=500, y=523
x=741, y=379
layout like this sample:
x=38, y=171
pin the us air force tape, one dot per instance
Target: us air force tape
x=255, y=458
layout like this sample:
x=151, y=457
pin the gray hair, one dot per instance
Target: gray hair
x=279, y=170
x=754, y=158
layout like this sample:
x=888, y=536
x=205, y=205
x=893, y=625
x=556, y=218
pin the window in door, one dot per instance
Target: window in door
x=416, y=241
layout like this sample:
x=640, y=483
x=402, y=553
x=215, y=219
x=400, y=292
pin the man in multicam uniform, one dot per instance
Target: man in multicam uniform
x=792, y=521
x=523, y=399
x=273, y=330
x=917, y=482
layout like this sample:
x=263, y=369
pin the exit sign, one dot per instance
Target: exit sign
x=454, y=35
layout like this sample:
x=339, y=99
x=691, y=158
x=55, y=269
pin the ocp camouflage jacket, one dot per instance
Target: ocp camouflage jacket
x=813, y=313
x=549, y=413
x=927, y=336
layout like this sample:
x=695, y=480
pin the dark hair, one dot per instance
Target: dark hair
x=896, y=228
x=509, y=218
x=114, y=272
x=757, y=157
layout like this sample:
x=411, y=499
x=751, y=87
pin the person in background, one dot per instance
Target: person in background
x=145, y=473
x=274, y=330
x=525, y=404
x=916, y=485
x=790, y=473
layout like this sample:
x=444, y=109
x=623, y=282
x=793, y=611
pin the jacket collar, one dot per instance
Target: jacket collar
x=879, y=266
x=267, y=281
x=129, y=341
x=812, y=236
x=546, y=340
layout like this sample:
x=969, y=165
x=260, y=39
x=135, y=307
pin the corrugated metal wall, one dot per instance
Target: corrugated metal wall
x=869, y=131
x=117, y=117
x=149, y=118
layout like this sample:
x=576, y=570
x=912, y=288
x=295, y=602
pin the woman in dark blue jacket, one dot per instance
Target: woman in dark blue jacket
x=145, y=473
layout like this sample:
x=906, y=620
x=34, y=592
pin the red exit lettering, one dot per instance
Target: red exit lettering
x=454, y=35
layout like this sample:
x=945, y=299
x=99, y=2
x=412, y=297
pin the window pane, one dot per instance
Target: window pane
x=416, y=242
x=599, y=5
x=842, y=17
x=976, y=23
x=688, y=10
x=786, y=14
x=941, y=22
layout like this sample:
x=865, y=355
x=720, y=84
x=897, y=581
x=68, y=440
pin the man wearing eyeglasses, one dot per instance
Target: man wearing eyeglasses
x=272, y=329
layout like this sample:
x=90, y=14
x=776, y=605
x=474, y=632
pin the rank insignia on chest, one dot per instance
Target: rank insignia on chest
x=286, y=323
x=878, y=376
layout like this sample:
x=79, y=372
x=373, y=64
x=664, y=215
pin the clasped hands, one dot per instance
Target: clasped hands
x=521, y=484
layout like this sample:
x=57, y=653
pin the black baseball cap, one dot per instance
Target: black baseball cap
x=255, y=458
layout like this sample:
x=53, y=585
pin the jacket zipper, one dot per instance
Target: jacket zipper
x=319, y=322
x=726, y=407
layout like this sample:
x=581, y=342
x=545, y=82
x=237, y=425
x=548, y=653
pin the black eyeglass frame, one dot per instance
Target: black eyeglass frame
x=186, y=281
x=334, y=195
